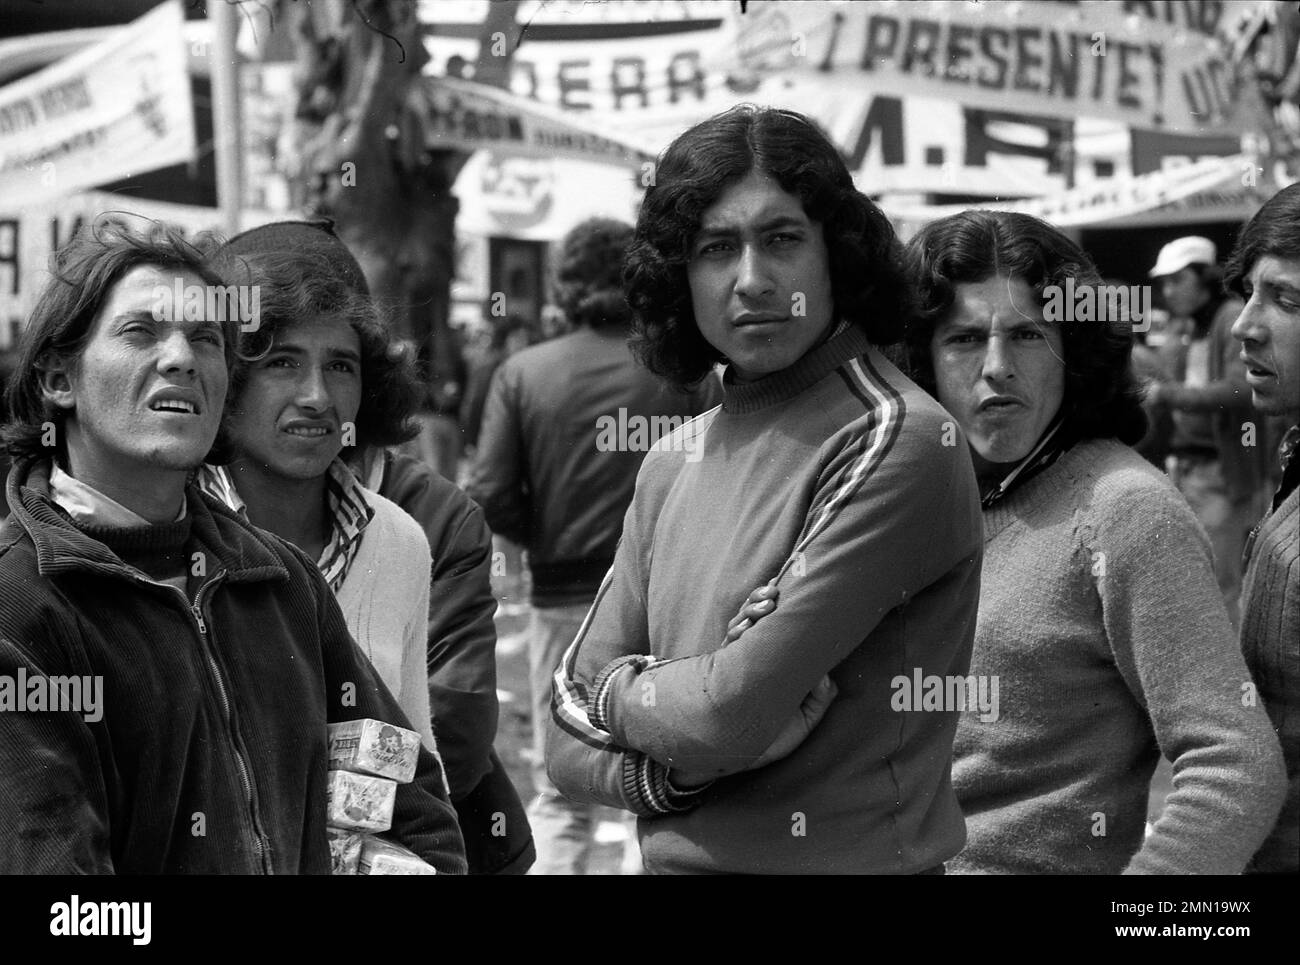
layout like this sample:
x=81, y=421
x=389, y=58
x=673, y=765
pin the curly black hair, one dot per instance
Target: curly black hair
x=868, y=279
x=1103, y=397
x=588, y=283
x=294, y=288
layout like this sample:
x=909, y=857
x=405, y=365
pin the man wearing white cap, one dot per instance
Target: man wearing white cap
x=1216, y=453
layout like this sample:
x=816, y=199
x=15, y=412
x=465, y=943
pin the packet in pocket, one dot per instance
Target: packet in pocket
x=370, y=746
x=358, y=802
x=380, y=857
x=345, y=851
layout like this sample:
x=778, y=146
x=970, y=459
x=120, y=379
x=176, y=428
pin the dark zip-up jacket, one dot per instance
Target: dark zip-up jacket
x=564, y=431
x=210, y=754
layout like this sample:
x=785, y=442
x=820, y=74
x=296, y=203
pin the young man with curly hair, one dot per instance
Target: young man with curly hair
x=320, y=389
x=828, y=474
x=1098, y=611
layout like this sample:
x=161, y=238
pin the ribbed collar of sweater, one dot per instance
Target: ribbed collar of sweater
x=157, y=550
x=816, y=364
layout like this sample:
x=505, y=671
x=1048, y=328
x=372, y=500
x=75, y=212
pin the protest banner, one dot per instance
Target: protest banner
x=1154, y=66
x=109, y=111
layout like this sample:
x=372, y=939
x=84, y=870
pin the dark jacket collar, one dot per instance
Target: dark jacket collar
x=244, y=553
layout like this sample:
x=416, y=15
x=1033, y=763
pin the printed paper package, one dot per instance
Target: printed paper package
x=380, y=857
x=358, y=802
x=370, y=746
x=345, y=851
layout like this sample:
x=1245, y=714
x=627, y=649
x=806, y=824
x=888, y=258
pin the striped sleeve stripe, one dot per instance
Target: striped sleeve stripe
x=569, y=698
x=879, y=397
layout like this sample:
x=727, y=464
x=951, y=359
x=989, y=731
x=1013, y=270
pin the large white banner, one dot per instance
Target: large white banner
x=1155, y=66
x=949, y=97
x=1120, y=198
x=462, y=114
x=108, y=112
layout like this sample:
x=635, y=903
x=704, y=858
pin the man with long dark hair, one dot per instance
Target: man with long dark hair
x=1098, y=610
x=320, y=391
x=825, y=472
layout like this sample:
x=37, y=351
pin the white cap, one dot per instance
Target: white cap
x=1181, y=252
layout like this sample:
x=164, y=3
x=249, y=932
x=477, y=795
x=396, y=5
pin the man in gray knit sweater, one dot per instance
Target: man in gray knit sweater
x=1265, y=270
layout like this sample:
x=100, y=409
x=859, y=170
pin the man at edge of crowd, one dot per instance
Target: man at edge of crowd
x=1265, y=270
x=321, y=397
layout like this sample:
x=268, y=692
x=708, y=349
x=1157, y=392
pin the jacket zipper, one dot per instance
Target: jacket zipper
x=195, y=608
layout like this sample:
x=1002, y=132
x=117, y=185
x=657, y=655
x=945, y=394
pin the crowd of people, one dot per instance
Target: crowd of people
x=841, y=556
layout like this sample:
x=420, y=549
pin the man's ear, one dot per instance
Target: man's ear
x=56, y=383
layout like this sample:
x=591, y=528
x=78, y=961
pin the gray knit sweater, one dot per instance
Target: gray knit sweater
x=1101, y=618
x=1270, y=640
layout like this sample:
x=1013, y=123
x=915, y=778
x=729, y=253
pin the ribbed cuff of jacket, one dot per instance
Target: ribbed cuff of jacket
x=598, y=706
x=649, y=792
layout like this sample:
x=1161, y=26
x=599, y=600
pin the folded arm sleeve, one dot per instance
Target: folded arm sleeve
x=1175, y=648
x=581, y=759
x=889, y=516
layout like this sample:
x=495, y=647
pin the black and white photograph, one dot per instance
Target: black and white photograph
x=652, y=437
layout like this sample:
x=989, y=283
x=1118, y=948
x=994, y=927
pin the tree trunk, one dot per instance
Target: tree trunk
x=364, y=163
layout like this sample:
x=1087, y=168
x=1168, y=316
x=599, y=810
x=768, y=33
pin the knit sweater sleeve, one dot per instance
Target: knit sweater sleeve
x=893, y=510
x=581, y=759
x=1174, y=646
